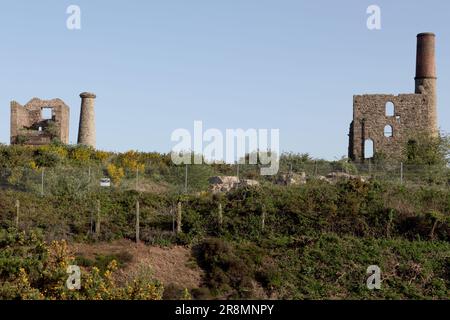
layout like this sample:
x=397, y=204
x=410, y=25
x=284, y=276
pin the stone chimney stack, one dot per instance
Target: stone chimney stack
x=426, y=74
x=426, y=62
x=86, y=130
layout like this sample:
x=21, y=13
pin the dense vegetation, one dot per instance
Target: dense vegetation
x=33, y=269
x=310, y=241
x=316, y=242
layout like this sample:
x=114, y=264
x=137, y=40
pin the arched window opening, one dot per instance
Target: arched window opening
x=390, y=109
x=368, y=149
x=388, y=131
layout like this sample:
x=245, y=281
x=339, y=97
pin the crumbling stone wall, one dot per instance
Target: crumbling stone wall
x=29, y=127
x=228, y=183
x=412, y=114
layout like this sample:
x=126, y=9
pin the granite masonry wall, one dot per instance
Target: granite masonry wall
x=28, y=126
x=388, y=129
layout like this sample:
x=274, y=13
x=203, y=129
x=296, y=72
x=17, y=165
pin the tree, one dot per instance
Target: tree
x=425, y=149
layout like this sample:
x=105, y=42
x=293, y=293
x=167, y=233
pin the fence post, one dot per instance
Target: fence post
x=401, y=172
x=137, y=177
x=172, y=212
x=91, y=222
x=263, y=218
x=220, y=214
x=186, y=179
x=179, y=216
x=97, y=222
x=17, y=213
x=42, y=182
x=137, y=221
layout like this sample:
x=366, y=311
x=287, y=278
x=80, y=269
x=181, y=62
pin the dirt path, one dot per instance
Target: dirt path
x=168, y=265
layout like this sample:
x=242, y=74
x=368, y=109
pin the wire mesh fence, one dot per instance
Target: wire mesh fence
x=393, y=172
x=90, y=210
x=194, y=178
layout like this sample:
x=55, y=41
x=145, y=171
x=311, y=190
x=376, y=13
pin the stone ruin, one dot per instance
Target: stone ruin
x=383, y=124
x=334, y=177
x=39, y=122
x=295, y=179
x=228, y=183
x=224, y=184
x=289, y=179
x=30, y=125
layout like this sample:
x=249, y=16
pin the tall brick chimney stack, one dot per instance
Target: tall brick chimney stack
x=86, y=130
x=426, y=63
x=426, y=74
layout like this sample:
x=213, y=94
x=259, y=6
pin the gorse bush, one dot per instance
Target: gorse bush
x=32, y=269
x=116, y=173
x=228, y=273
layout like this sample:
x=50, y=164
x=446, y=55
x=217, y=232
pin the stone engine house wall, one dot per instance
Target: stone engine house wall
x=412, y=114
x=28, y=126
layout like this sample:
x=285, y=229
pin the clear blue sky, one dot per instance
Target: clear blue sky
x=159, y=65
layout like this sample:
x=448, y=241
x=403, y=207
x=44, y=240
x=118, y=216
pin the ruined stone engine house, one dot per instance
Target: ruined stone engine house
x=385, y=123
x=30, y=124
x=39, y=122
